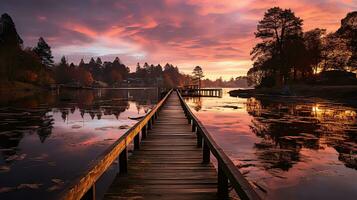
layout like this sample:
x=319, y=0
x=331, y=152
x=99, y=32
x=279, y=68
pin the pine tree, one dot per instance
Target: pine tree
x=92, y=62
x=99, y=62
x=281, y=34
x=198, y=75
x=43, y=51
x=81, y=63
x=8, y=34
x=63, y=61
x=10, y=48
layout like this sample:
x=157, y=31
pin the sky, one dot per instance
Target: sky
x=217, y=35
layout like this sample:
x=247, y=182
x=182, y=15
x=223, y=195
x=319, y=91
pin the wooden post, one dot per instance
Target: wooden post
x=90, y=194
x=206, y=153
x=222, y=185
x=199, y=138
x=143, y=132
x=189, y=119
x=137, y=141
x=149, y=124
x=123, y=161
x=193, y=126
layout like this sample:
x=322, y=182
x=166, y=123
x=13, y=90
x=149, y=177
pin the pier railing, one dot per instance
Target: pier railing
x=84, y=186
x=228, y=173
x=202, y=92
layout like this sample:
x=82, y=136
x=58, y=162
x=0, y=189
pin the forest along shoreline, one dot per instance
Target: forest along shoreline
x=346, y=94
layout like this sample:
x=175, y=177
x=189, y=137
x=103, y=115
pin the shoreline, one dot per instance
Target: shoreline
x=346, y=94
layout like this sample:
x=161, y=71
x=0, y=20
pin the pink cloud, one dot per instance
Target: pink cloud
x=215, y=34
x=80, y=29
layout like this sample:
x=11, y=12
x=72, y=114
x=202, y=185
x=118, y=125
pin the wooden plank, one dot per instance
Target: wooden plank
x=228, y=170
x=86, y=181
x=168, y=164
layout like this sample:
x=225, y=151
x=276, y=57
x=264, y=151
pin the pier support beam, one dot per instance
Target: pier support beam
x=90, y=194
x=137, y=141
x=123, y=161
x=222, y=185
x=199, y=138
x=206, y=153
x=149, y=124
x=193, y=126
x=144, y=132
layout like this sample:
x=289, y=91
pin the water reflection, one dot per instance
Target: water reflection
x=196, y=102
x=47, y=139
x=287, y=147
x=286, y=128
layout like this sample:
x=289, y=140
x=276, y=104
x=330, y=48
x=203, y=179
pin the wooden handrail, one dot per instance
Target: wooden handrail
x=84, y=186
x=226, y=168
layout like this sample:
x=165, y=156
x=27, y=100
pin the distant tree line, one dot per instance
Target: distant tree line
x=286, y=54
x=237, y=82
x=36, y=66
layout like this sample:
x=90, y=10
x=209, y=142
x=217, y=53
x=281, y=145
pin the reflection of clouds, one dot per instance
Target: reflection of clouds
x=286, y=145
x=57, y=135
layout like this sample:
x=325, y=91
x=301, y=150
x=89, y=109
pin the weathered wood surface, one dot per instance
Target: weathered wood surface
x=227, y=171
x=84, y=186
x=168, y=164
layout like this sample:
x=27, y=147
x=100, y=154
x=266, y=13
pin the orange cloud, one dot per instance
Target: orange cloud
x=80, y=29
x=218, y=35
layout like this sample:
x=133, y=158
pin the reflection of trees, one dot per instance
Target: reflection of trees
x=285, y=128
x=196, y=101
x=144, y=99
x=18, y=122
x=91, y=102
x=32, y=114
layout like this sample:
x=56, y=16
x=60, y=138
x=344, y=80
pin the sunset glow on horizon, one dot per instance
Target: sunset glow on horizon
x=217, y=35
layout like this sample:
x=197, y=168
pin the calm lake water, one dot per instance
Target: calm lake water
x=47, y=140
x=288, y=148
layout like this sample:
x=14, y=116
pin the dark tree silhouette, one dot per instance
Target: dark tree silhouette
x=279, y=30
x=348, y=31
x=92, y=61
x=99, y=62
x=314, y=47
x=81, y=63
x=335, y=53
x=63, y=72
x=8, y=33
x=97, y=69
x=10, y=47
x=115, y=72
x=171, y=76
x=43, y=51
x=198, y=75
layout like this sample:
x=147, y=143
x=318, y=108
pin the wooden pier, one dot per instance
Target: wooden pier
x=202, y=92
x=171, y=160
